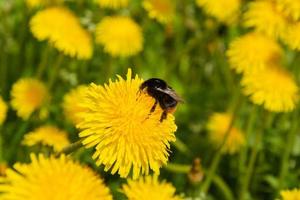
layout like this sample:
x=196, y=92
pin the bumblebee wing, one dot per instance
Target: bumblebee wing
x=171, y=93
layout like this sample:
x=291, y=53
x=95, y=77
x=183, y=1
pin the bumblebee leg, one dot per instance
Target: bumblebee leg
x=154, y=106
x=163, y=116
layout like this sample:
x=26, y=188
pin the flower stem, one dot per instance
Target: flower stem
x=248, y=131
x=178, y=168
x=218, y=181
x=43, y=62
x=55, y=70
x=249, y=171
x=182, y=147
x=17, y=138
x=287, y=151
x=216, y=159
x=71, y=148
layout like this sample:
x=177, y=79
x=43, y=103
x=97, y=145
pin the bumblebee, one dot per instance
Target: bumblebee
x=163, y=94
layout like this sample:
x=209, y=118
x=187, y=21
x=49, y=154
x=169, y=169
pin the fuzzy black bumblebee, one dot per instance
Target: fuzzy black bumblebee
x=163, y=94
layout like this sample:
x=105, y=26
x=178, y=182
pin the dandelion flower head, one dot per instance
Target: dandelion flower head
x=290, y=8
x=126, y=137
x=292, y=36
x=72, y=103
x=113, y=4
x=3, y=111
x=225, y=11
x=120, y=36
x=28, y=95
x=266, y=18
x=290, y=194
x=63, y=30
x=217, y=126
x=274, y=88
x=162, y=10
x=52, y=179
x=253, y=52
x=148, y=188
x=48, y=136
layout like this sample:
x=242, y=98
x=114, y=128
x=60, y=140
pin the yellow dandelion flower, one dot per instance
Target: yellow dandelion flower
x=49, y=136
x=290, y=194
x=225, y=11
x=265, y=17
x=162, y=10
x=3, y=111
x=149, y=188
x=120, y=36
x=118, y=124
x=251, y=53
x=37, y=3
x=292, y=36
x=114, y=4
x=52, y=179
x=217, y=126
x=63, y=30
x=28, y=95
x=274, y=88
x=71, y=103
x=290, y=8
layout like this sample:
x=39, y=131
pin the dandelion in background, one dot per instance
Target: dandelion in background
x=162, y=10
x=266, y=18
x=114, y=4
x=253, y=52
x=38, y=3
x=218, y=126
x=52, y=179
x=47, y=135
x=3, y=110
x=63, y=30
x=291, y=8
x=292, y=36
x=149, y=188
x=290, y=194
x=274, y=88
x=28, y=95
x=120, y=36
x=72, y=103
x=118, y=124
x=225, y=11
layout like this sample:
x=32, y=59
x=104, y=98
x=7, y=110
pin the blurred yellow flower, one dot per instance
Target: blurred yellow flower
x=265, y=17
x=120, y=36
x=28, y=95
x=52, y=179
x=292, y=36
x=225, y=11
x=71, y=103
x=118, y=124
x=63, y=30
x=149, y=188
x=114, y=4
x=274, y=88
x=290, y=8
x=3, y=111
x=48, y=136
x=290, y=194
x=253, y=52
x=162, y=10
x=217, y=126
x=37, y=3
